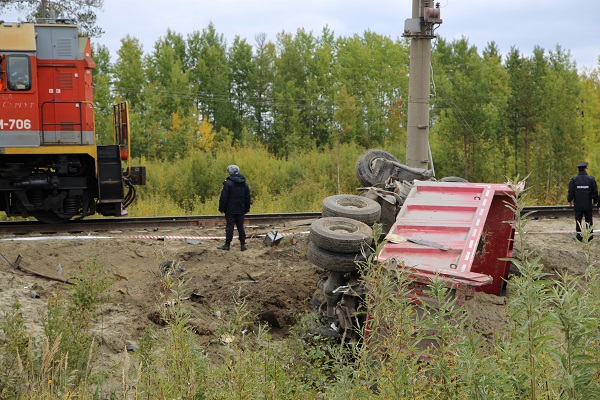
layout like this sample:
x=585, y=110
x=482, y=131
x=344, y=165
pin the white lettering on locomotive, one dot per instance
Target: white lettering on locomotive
x=19, y=105
x=15, y=124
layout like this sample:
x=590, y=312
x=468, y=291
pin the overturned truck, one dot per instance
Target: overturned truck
x=451, y=229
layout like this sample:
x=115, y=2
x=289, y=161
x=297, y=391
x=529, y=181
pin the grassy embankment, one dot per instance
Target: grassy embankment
x=549, y=349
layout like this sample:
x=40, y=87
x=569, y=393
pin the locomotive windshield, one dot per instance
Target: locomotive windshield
x=18, y=72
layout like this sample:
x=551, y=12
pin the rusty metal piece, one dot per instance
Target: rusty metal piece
x=14, y=265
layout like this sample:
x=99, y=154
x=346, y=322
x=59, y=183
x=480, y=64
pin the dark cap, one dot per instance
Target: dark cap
x=582, y=165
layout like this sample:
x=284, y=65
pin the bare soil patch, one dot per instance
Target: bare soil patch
x=276, y=282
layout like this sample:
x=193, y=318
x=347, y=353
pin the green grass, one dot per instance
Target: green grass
x=550, y=349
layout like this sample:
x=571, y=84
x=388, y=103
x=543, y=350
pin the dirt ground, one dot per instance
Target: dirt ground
x=277, y=282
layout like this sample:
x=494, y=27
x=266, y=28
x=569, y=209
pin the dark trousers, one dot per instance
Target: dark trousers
x=238, y=221
x=578, y=222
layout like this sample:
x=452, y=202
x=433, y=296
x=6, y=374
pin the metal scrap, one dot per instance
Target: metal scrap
x=272, y=238
x=395, y=238
x=427, y=243
x=14, y=265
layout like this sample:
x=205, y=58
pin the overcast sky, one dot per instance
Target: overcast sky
x=518, y=23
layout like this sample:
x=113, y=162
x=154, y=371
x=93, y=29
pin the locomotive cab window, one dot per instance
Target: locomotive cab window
x=18, y=71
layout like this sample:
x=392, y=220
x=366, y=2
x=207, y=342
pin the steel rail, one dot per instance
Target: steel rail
x=105, y=224
x=548, y=211
x=281, y=219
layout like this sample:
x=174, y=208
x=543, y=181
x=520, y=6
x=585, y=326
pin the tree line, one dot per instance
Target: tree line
x=492, y=117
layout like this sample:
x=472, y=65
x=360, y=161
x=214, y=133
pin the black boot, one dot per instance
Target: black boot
x=224, y=247
x=244, y=248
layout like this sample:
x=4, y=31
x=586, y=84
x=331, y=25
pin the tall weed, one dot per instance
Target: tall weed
x=576, y=373
x=169, y=363
x=16, y=350
x=530, y=317
x=59, y=364
x=295, y=184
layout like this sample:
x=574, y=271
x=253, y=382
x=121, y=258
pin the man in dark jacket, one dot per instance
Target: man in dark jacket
x=583, y=191
x=234, y=203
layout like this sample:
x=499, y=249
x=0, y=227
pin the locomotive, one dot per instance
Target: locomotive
x=51, y=167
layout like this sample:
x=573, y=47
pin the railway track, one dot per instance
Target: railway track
x=150, y=223
x=279, y=219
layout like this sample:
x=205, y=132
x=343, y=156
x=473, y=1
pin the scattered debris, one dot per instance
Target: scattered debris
x=272, y=238
x=291, y=224
x=137, y=253
x=14, y=265
x=427, y=243
x=394, y=238
x=171, y=267
x=193, y=241
x=226, y=339
x=171, y=303
x=132, y=347
x=328, y=331
x=196, y=297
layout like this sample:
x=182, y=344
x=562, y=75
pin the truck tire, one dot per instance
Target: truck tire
x=364, y=167
x=340, y=235
x=453, y=179
x=331, y=261
x=352, y=206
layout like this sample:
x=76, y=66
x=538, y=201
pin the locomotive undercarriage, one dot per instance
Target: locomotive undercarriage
x=50, y=188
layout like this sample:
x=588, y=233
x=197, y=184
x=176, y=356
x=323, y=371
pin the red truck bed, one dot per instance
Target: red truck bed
x=458, y=231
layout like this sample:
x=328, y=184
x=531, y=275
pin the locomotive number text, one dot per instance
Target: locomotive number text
x=12, y=124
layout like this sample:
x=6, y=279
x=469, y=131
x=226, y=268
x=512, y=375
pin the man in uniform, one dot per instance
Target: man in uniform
x=234, y=203
x=583, y=192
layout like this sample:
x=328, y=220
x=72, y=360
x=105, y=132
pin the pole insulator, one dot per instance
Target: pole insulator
x=432, y=15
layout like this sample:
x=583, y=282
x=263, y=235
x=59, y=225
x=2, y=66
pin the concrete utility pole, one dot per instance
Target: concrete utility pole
x=420, y=30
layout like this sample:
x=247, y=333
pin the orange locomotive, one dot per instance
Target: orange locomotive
x=50, y=165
